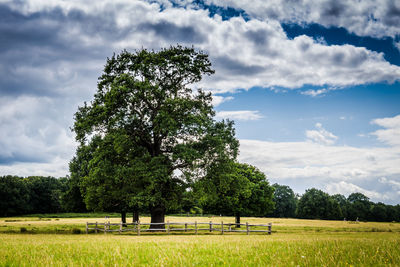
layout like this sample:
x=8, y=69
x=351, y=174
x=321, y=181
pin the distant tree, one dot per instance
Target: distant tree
x=391, y=214
x=236, y=188
x=379, y=212
x=334, y=211
x=72, y=200
x=316, y=204
x=14, y=196
x=45, y=194
x=359, y=206
x=285, y=201
x=343, y=204
x=397, y=213
x=144, y=97
x=189, y=202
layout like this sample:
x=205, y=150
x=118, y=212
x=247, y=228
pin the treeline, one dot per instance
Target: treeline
x=38, y=194
x=316, y=204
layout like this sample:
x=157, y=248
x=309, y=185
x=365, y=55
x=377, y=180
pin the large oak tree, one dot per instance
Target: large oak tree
x=150, y=129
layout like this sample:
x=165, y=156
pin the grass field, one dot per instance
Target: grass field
x=49, y=241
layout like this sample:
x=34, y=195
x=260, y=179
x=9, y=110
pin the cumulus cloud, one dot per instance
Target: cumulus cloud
x=346, y=188
x=393, y=183
x=364, y=18
x=320, y=92
x=391, y=134
x=80, y=35
x=338, y=169
x=305, y=164
x=321, y=136
x=244, y=115
x=397, y=45
x=30, y=134
x=315, y=93
x=278, y=61
x=217, y=99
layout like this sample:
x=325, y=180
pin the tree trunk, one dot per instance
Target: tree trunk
x=237, y=220
x=135, y=215
x=123, y=218
x=157, y=216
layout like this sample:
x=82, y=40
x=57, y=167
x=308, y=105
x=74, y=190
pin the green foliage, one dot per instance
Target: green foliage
x=14, y=196
x=235, y=188
x=343, y=204
x=316, y=204
x=359, y=206
x=45, y=194
x=379, y=212
x=144, y=125
x=35, y=194
x=285, y=201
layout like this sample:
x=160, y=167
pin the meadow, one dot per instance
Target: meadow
x=46, y=240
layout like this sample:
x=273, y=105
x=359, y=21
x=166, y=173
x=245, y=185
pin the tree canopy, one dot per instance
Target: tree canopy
x=316, y=204
x=239, y=189
x=149, y=130
x=285, y=201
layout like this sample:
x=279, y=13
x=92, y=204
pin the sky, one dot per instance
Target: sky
x=313, y=86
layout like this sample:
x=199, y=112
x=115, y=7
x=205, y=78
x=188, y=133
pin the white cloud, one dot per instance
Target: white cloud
x=315, y=93
x=320, y=92
x=218, y=100
x=338, y=169
x=321, y=135
x=397, y=45
x=265, y=56
x=305, y=165
x=346, y=188
x=365, y=18
x=304, y=159
x=244, y=115
x=393, y=183
x=391, y=133
x=32, y=135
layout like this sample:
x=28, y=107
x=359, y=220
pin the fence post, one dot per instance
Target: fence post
x=95, y=229
x=87, y=230
x=247, y=227
x=138, y=227
x=195, y=227
x=105, y=227
x=185, y=227
x=269, y=228
x=167, y=227
x=210, y=226
x=120, y=227
x=230, y=227
x=222, y=228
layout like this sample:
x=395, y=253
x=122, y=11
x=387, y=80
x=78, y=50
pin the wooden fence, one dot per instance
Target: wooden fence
x=168, y=227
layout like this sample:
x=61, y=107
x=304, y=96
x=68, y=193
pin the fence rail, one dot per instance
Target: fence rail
x=168, y=227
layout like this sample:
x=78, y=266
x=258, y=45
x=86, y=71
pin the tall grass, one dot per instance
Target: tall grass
x=293, y=243
x=234, y=250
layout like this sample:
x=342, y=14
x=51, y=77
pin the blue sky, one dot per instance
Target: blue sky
x=313, y=86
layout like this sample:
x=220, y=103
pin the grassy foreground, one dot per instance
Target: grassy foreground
x=293, y=243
